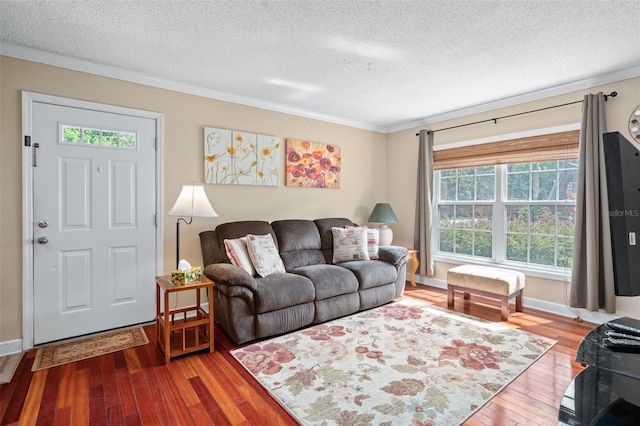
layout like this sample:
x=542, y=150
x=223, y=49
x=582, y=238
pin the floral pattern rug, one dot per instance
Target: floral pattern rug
x=404, y=363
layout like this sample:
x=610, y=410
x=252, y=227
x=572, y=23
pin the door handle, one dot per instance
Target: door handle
x=43, y=240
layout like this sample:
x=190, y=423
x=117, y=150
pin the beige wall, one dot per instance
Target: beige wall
x=402, y=149
x=363, y=178
x=367, y=172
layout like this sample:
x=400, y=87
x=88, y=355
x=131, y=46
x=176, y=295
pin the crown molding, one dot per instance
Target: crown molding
x=61, y=61
x=35, y=55
x=594, y=81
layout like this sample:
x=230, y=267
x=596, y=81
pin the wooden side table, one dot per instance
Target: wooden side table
x=194, y=332
x=412, y=257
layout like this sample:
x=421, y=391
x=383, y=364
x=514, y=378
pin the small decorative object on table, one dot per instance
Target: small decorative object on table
x=187, y=276
x=185, y=273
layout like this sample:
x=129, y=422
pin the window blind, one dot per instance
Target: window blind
x=549, y=147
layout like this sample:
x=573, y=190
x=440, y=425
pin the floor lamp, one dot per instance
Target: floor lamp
x=192, y=202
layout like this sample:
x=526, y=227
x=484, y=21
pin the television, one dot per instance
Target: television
x=622, y=166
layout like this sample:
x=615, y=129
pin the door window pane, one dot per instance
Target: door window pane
x=97, y=137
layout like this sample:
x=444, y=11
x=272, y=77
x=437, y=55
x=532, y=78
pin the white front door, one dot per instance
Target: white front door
x=94, y=225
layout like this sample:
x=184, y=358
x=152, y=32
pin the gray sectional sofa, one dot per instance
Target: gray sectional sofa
x=312, y=290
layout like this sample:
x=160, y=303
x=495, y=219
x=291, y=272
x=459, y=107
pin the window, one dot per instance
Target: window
x=516, y=212
x=465, y=211
x=97, y=137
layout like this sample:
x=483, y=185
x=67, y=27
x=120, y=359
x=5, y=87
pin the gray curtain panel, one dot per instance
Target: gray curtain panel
x=424, y=205
x=592, y=285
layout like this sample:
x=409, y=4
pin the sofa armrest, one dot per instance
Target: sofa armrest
x=230, y=276
x=395, y=255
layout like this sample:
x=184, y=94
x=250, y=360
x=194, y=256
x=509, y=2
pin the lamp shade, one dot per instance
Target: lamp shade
x=383, y=213
x=192, y=202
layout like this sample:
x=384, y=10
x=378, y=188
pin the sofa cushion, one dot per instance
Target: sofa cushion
x=299, y=243
x=243, y=228
x=329, y=280
x=326, y=235
x=278, y=291
x=239, y=254
x=212, y=248
x=349, y=243
x=264, y=254
x=371, y=274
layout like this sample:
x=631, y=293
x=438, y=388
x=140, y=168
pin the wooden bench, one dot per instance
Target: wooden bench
x=486, y=281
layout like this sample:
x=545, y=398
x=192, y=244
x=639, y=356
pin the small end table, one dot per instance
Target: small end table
x=413, y=258
x=195, y=331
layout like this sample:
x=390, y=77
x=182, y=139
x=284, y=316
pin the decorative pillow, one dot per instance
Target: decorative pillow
x=238, y=254
x=349, y=244
x=373, y=243
x=264, y=254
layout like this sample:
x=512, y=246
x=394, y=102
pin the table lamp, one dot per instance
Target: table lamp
x=192, y=202
x=383, y=213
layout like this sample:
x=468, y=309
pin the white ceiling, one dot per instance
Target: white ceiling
x=380, y=65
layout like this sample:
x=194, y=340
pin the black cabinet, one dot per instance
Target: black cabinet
x=607, y=392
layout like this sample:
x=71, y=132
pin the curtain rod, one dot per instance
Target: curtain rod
x=495, y=120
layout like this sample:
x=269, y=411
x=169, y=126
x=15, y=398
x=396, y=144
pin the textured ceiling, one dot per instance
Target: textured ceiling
x=376, y=64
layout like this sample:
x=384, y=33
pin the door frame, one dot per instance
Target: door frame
x=28, y=99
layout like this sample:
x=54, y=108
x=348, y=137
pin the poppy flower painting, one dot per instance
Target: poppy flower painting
x=312, y=164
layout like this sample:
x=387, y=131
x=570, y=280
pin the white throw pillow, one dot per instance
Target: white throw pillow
x=264, y=254
x=349, y=244
x=373, y=243
x=238, y=254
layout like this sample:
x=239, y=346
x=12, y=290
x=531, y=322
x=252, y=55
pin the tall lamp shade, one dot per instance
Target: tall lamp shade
x=192, y=202
x=383, y=213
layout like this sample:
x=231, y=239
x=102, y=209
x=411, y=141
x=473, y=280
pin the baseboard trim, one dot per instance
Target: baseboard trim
x=10, y=347
x=598, y=317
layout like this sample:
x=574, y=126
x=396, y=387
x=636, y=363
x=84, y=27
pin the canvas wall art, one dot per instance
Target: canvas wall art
x=240, y=158
x=312, y=164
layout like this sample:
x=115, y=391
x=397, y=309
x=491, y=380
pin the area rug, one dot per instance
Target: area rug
x=63, y=353
x=8, y=366
x=404, y=363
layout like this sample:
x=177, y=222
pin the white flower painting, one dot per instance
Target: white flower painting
x=239, y=158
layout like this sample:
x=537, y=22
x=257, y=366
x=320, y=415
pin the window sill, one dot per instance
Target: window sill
x=556, y=274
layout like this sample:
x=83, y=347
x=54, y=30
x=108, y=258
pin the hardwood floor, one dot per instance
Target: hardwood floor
x=134, y=387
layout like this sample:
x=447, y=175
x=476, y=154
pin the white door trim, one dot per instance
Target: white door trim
x=28, y=99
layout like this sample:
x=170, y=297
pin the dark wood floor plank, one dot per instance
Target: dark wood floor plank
x=181, y=382
x=63, y=416
x=218, y=391
x=80, y=397
x=65, y=391
x=173, y=396
x=112, y=402
x=97, y=405
x=160, y=401
x=143, y=399
x=19, y=393
x=127, y=397
x=32, y=402
x=47, y=412
x=210, y=405
x=199, y=414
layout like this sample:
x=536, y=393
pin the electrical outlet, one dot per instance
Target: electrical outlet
x=632, y=238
